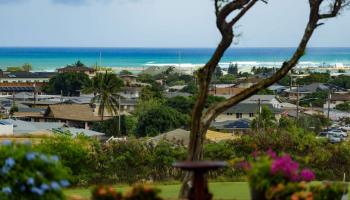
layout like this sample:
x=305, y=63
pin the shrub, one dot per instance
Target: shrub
x=28, y=175
x=74, y=153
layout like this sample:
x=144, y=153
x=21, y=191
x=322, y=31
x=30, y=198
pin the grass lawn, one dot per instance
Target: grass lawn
x=221, y=190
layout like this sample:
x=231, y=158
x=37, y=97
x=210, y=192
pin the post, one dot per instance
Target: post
x=119, y=116
x=297, y=102
x=329, y=107
x=259, y=115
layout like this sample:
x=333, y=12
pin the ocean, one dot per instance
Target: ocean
x=48, y=59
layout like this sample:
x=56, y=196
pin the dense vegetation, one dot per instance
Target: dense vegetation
x=91, y=162
x=67, y=84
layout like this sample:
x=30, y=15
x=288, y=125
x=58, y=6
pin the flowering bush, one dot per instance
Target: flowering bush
x=137, y=192
x=279, y=177
x=25, y=174
x=105, y=193
x=266, y=170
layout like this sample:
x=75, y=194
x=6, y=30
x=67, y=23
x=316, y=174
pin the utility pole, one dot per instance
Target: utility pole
x=259, y=114
x=329, y=107
x=297, y=103
x=119, y=115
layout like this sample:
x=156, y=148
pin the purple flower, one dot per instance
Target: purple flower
x=30, y=181
x=64, y=183
x=271, y=153
x=286, y=167
x=7, y=142
x=6, y=190
x=30, y=156
x=10, y=162
x=37, y=191
x=55, y=186
x=307, y=175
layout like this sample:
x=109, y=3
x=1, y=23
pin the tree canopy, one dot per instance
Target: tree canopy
x=70, y=84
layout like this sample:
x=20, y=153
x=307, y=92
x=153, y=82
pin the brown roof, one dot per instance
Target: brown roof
x=232, y=91
x=75, y=112
x=340, y=97
x=76, y=69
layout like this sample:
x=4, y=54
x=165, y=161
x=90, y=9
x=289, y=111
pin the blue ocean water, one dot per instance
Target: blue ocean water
x=52, y=58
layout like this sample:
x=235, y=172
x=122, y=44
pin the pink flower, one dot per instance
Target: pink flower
x=307, y=175
x=286, y=167
x=271, y=153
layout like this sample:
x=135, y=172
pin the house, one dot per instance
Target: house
x=32, y=128
x=129, y=79
x=224, y=90
x=6, y=128
x=130, y=92
x=277, y=89
x=78, y=68
x=305, y=90
x=245, y=111
x=336, y=99
x=176, y=88
x=247, y=82
x=15, y=82
x=232, y=126
x=73, y=115
x=175, y=94
x=264, y=99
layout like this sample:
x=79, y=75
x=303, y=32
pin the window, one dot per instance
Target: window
x=239, y=115
x=251, y=114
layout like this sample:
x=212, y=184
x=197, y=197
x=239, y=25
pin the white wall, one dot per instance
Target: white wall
x=6, y=129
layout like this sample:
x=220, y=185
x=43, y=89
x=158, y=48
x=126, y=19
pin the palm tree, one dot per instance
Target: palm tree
x=105, y=87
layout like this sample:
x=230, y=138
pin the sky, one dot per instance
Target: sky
x=157, y=23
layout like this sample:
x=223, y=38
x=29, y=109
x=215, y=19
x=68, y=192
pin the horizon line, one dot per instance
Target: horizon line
x=135, y=47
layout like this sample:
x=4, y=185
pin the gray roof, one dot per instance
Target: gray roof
x=311, y=88
x=76, y=131
x=174, y=135
x=23, y=127
x=175, y=94
x=249, y=108
x=28, y=74
x=263, y=98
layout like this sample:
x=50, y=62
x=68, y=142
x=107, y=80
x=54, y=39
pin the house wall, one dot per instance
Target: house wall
x=6, y=129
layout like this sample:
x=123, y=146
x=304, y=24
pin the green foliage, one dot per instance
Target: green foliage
x=111, y=126
x=211, y=100
x=155, y=91
x=181, y=104
x=29, y=175
x=105, y=88
x=125, y=72
x=69, y=83
x=262, y=70
x=191, y=88
x=265, y=92
x=233, y=69
x=313, y=123
x=158, y=120
x=343, y=107
x=73, y=153
x=342, y=81
x=24, y=68
x=13, y=109
x=315, y=78
x=316, y=99
x=146, y=78
x=285, y=81
x=178, y=79
x=218, y=72
x=226, y=79
x=266, y=120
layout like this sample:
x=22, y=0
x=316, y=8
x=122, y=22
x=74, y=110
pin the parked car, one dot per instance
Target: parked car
x=333, y=139
x=338, y=132
x=322, y=134
x=345, y=127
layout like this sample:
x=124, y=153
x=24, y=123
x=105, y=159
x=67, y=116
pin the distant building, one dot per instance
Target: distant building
x=305, y=90
x=245, y=111
x=224, y=90
x=336, y=99
x=265, y=100
x=78, y=69
x=15, y=82
x=232, y=126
